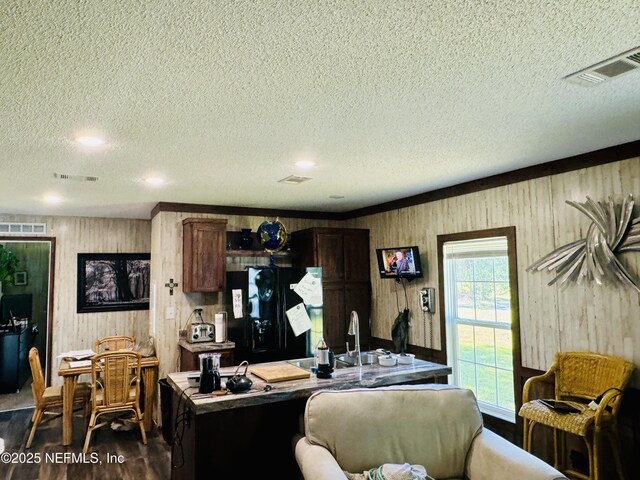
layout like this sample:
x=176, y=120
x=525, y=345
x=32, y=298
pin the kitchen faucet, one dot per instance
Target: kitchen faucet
x=354, y=329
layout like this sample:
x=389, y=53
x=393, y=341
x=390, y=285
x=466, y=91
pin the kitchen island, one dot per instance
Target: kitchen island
x=235, y=435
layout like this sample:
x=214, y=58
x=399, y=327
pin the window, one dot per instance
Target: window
x=480, y=318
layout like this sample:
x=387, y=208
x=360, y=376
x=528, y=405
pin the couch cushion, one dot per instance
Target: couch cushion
x=430, y=425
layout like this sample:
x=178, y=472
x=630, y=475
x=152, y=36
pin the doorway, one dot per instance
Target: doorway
x=26, y=318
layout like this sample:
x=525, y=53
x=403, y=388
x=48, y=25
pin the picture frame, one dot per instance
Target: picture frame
x=111, y=282
x=20, y=278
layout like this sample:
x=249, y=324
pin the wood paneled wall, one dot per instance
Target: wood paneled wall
x=166, y=263
x=602, y=319
x=75, y=235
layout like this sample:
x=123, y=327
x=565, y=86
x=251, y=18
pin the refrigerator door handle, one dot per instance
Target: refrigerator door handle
x=282, y=318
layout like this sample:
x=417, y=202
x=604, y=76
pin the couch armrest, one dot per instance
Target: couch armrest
x=491, y=457
x=316, y=462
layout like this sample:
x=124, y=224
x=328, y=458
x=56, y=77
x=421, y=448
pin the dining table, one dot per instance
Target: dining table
x=70, y=374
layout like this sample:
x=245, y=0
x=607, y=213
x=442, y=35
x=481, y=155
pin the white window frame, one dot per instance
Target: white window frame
x=452, y=321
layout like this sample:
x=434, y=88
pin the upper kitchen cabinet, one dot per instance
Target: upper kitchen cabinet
x=330, y=256
x=356, y=256
x=343, y=253
x=204, y=260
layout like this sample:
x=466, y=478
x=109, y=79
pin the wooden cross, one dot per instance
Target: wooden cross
x=171, y=286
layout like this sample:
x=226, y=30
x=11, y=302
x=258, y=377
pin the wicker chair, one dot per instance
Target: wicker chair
x=580, y=377
x=48, y=399
x=117, y=389
x=115, y=342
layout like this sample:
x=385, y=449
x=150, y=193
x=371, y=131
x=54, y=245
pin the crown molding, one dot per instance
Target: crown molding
x=577, y=162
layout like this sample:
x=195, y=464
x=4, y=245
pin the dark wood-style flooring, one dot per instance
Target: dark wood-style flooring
x=141, y=462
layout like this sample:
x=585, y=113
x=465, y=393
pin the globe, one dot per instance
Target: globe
x=272, y=235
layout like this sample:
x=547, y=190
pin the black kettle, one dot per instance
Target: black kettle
x=240, y=383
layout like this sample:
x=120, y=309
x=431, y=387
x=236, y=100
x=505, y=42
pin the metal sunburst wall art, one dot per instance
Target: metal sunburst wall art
x=611, y=233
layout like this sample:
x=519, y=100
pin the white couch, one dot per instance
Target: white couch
x=437, y=426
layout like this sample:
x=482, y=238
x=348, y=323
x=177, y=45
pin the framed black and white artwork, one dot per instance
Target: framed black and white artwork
x=109, y=282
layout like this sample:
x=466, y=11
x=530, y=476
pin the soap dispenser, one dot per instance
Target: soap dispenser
x=325, y=360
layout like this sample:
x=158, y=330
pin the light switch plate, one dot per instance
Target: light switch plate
x=170, y=313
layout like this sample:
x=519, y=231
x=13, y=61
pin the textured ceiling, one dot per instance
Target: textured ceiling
x=221, y=97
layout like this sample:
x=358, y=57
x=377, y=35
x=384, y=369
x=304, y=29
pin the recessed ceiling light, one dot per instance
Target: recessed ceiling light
x=52, y=198
x=305, y=164
x=336, y=197
x=88, y=141
x=154, y=181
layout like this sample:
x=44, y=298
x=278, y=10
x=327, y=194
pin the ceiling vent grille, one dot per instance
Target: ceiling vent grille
x=634, y=58
x=10, y=228
x=588, y=77
x=77, y=178
x=611, y=68
x=294, y=180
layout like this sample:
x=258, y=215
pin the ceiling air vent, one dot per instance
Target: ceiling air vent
x=77, y=178
x=635, y=57
x=10, y=228
x=294, y=180
x=611, y=68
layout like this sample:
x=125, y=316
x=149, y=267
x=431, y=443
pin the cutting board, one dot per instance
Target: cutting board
x=280, y=373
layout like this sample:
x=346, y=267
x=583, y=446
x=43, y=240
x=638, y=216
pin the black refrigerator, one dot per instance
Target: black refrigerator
x=258, y=323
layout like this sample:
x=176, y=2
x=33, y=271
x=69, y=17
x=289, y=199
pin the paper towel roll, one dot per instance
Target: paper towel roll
x=220, y=327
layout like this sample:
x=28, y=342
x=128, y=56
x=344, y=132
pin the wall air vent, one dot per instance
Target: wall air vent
x=10, y=228
x=77, y=178
x=294, y=180
x=611, y=68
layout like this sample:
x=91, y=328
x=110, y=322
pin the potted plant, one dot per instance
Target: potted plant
x=8, y=266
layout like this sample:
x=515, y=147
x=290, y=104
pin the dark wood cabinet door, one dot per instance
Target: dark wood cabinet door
x=227, y=358
x=358, y=297
x=203, y=263
x=356, y=258
x=191, y=361
x=303, y=250
x=330, y=252
x=335, y=329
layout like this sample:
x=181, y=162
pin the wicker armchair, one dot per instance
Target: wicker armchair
x=115, y=342
x=580, y=378
x=116, y=389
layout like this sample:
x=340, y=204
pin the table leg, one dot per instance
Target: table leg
x=150, y=379
x=68, y=390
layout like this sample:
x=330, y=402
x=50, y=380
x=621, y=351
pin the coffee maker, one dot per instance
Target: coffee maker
x=209, y=372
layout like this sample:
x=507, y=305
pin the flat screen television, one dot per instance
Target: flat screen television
x=399, y=262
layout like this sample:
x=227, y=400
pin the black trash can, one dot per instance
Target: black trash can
x=166, y=394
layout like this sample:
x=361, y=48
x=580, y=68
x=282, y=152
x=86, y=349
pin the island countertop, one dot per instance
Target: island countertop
x=343, y=379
